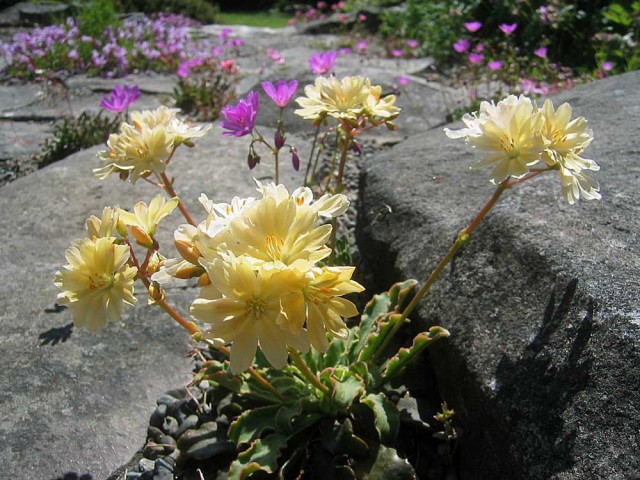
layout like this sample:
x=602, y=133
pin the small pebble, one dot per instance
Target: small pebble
x=157, y=417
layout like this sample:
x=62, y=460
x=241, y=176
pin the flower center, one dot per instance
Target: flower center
x=273, y=247
x=256, y=307
x=104, y=281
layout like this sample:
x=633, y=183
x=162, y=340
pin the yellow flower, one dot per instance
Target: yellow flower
x=249, y=313
x=144, y=219
x=322, y=306
x=510, y=132
x=104, y=227
x=183, y=132
x=381, y=109
x=148, y=119
x=96, y=282
x=567, y=140
x=342, y=99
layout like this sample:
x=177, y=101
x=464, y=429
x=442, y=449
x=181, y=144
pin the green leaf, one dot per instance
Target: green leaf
x=345, y=388
x=375, y=339
x=384, y=464
x=618, y=14
x=386, y=416
x=406, y=355
x=218, y=372
x=261, y=456
x=252, y=423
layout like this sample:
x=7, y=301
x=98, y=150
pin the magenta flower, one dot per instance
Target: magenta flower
x=322, y=62
x=462, y=45
x=184, y=69
x=120, y=98
x=403, y=80
x=412, y=43
x=475, y=58
x=479, y=47
x=241, y=118
x=607, y=66
x=397, y=53
x=472, y=26
x=362, y=45
x=494, y=65
x=541, y=52
x=507, y=28
x=282, y=92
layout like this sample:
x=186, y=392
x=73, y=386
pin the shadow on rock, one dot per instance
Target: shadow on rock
x=74, y=476
x=56, y=335
x=536, y=389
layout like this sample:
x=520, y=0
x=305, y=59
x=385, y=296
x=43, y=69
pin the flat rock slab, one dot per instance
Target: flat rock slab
x=543, y=365
x=72, y=401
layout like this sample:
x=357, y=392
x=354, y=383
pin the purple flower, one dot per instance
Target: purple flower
x=479, y=47
x=224, y=33
x=282, y=92
x=322, y=62
x=541, y=52
x=508, y=29
x=412, y=43
x=120, y=98
x=403, y=80
x=362, y=45
x=240, y=118
x=345, y=51
x=607, y=66
x=462, y=45
x=494, y=65
x=397, y=53
x=475, y=58
x=472, y=26
x=185, y=67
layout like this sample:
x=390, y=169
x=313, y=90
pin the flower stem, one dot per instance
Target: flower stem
x=343, y=158
x=265, y=383
x=462, y=239
x=304, y=369
x=168, y=187
x=275, y=157
x=307, y=180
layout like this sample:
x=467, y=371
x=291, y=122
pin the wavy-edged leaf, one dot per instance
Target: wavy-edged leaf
x=375, y=339
x=386, y=416
x=252, y=423
x=262, y=455
x=384, y=464
x=406, y=355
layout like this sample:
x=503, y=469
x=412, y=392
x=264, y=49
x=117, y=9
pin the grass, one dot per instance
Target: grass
x=255, y=19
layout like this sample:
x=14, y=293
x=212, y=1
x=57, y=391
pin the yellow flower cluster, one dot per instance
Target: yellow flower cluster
x=353, y=99
x=516, y=134
x=258, y=260
x=144, y=146
x=98, y=279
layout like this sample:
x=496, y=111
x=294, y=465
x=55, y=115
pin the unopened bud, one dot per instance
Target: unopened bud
x=204, y=280
x=122, y=228
x=124, y=174
x=355, y=146
x=391, y=126
x=142, y=238
x=188, y=251
x=295, y=159
x=253, y=159
x=278, y=140
x=189, y=271
x=156, y=292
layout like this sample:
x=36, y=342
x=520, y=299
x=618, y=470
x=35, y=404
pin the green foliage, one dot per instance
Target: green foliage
x=206, y=90
x=620, y=42
x=75, y=134
x=351, y=427
x=201, y=10
x=95, y=16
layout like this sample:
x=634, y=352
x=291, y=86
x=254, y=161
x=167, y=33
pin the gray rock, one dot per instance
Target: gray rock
x=543, y=364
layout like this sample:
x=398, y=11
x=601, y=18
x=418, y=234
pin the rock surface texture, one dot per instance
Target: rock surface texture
x=543, y=364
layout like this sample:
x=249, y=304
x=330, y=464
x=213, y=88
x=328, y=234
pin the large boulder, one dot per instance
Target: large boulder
x=543, y=364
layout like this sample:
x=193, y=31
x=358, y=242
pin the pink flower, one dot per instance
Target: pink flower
x=322, y=62
x=412, y=43
x=403, y=80
x=475, y=58
x=479, y=47
x=462, y=45
x=321, y=5
x=229, y=66
x=362, y=45
x=185, y=67
x=607, y=66
x=224, y=33
x=241, y=118
x=282, y=92
x=362, y=17
x=342, y=17
x=494, y=65
x=397, y=53
x=508, y=29
x=472, y=26
x=120, y=98
x=541, y=52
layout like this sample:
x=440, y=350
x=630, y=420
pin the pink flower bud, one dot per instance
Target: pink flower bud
x=295, y=159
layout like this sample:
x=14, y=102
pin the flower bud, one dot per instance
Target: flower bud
x=204, y=280
x=278, y=140
x=295, y=159
x=156, y=292
x=189, y=271
x=124, y=174
x=188, y=251
x=142, y=238
x=253, y=159
x=357, y=149
x=122, y=229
